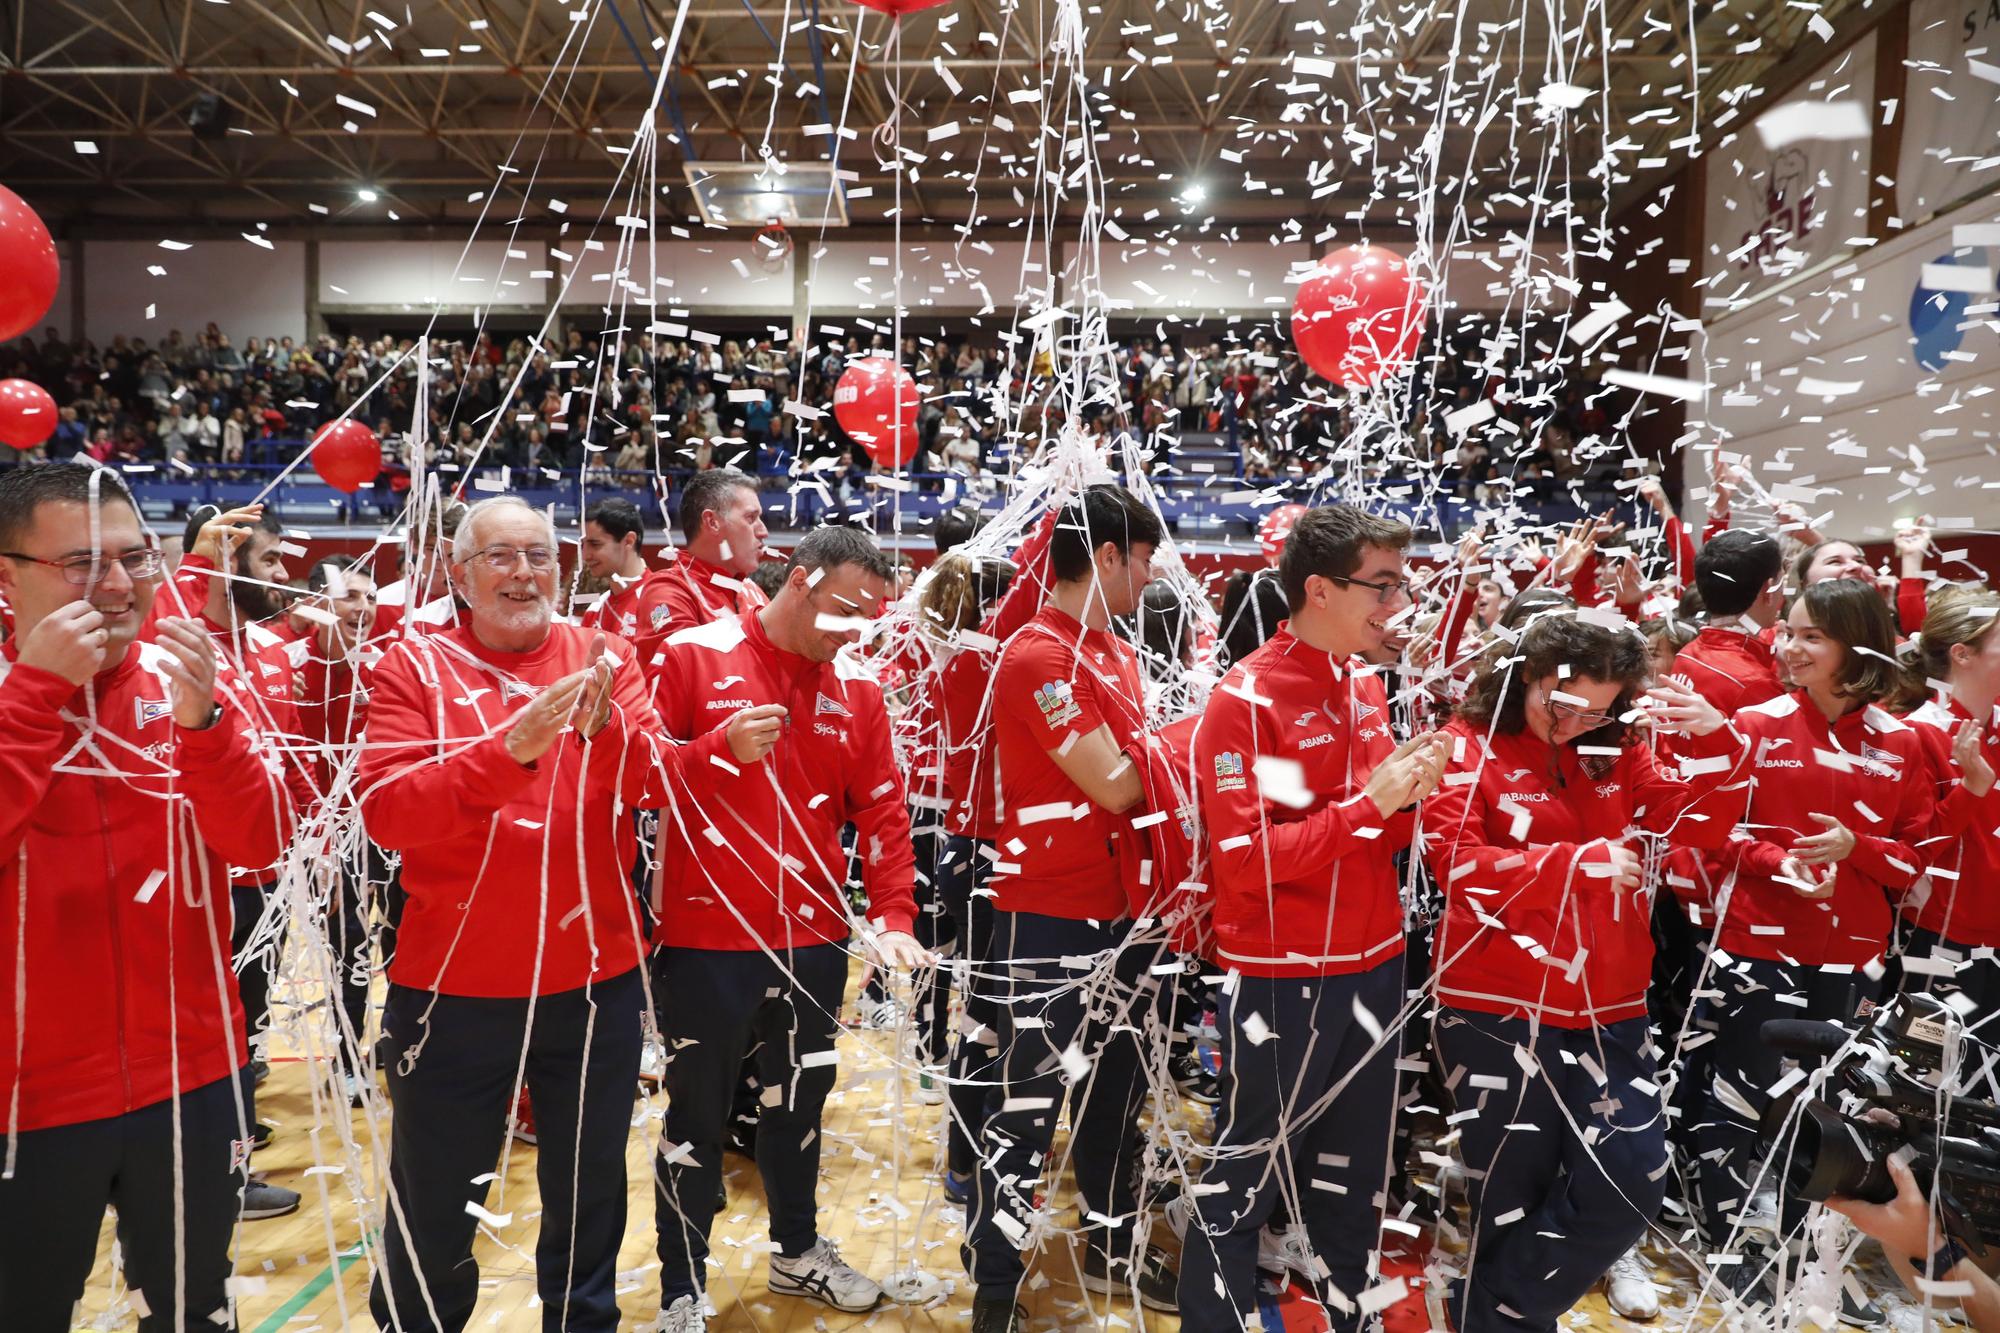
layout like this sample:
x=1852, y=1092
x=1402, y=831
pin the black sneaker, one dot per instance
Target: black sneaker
x=1157, y=1282
x=997, y=1314
x=1863, y=1314
x=1196, y=1083
x=260, y=1136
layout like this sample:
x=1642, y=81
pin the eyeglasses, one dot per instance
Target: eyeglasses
x=502, y=559
x=1384, y=592
x=1574, y=714
x=78, y=570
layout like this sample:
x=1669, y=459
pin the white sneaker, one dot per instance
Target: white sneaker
x=820, y=1273
x=1629, y=1288
x=930, y=1087
x=683, y=1316
x=1287, y=1250
x=884, y=1015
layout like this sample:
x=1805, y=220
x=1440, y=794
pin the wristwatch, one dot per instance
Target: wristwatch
x=1942, y=1262
x=214, y=716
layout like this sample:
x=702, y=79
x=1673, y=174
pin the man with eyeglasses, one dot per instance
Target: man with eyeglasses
x=133, y=778
x=751, y=898
x=1306, y=798
x=499, y=757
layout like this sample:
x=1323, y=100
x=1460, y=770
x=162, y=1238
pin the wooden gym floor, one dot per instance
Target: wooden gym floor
x=879, y=1195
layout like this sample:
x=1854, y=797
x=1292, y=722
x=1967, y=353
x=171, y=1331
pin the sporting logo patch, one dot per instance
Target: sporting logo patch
x=152, y=710
x=1229, y=771
x=825, y=707
x=517, y=689
x=1058, y=704
x=659, y=616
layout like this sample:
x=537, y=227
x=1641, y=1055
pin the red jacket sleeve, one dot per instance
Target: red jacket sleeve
x=31, y=740
x=882, y=824
x=1680, y=549
x=1029, y=589
x=1702, y=809
x=1912, y=602
x=1245, y=841
x=1457, y=616
x=415, y=790
x=230, y=789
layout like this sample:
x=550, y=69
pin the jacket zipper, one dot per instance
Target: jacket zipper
x=112, y=908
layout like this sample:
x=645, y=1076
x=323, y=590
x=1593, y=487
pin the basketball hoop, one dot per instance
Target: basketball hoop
x=773, y=245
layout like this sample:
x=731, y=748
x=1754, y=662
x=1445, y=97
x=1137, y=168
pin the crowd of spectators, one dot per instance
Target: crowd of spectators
x=643, y=404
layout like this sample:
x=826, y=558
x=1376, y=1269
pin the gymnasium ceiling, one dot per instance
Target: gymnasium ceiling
x=422, y=102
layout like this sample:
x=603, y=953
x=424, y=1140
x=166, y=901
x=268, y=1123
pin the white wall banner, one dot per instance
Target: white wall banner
x=1790, y=190
x=1951, y=116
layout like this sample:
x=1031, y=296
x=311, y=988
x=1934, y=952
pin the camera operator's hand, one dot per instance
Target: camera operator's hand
x=1904, y=1224
x=1834, y=842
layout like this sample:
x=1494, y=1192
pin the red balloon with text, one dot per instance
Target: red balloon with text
x=1358, y=315
x=875, y=401
x=27, y=413
x=28, y=269
x=346, y=455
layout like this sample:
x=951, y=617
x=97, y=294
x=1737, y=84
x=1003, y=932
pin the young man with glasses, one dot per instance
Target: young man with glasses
x=133, y=778
x=1308, y=915
x=498, y=757
x=751, y=898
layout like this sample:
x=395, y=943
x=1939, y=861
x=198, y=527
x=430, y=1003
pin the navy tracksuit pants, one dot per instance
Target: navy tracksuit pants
x=65, y=1176
x=451, y=1062
x=715, y=1004
x=1551, y=1212
x=1275, y=1141
x=1044, y=1009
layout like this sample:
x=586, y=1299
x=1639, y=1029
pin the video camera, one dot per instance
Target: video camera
x=1891, y=1085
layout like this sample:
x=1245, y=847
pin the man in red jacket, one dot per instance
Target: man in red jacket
x=499, y=758
x=1305, y=799
x=133, y=781
x=752, y=906
x=1067, y=704
x=724, y=526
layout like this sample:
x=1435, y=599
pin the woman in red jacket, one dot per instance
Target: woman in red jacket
x=1537, y=836
x=1838, y=797
x=1952, y=914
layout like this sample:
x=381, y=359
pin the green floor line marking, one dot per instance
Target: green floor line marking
x=305, y=1295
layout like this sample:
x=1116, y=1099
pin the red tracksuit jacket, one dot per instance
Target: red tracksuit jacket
x=753, y=858
x=639, y=611
x=481, y=835
x=1866, y=770
x=1310, y=890
x=1958, y=896
x=115, y=834
x=1731, y=668
x=1060, y=852
x=1513, y=838
x=695, y=592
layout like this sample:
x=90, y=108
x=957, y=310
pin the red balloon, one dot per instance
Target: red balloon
x=875, y=401
x=28, y=268
x=346, y=455
x=27, y=414
x=1276, y=527
x=1358, y=316
x=900, y=7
